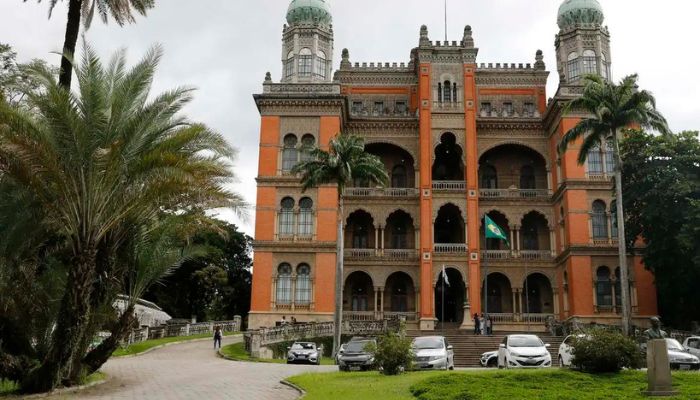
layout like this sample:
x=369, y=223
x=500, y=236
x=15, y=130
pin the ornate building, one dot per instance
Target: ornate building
x=459, y=139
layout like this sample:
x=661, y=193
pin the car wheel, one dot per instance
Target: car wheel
x=561, y=362
x=492, y=363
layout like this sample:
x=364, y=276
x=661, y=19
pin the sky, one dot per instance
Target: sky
x=225, y=47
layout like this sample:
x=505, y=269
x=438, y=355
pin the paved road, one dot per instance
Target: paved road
x=192, y=371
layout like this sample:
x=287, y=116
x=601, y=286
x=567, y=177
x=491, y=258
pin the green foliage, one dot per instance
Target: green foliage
x=662, y=182
x=15, y=80
x=121, y=10
x=237, y=352
x=393, y=353
x=604, y=351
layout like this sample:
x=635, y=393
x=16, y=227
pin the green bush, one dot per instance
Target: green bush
x=393, y=353
x=601, y=351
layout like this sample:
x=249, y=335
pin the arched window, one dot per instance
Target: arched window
x=290, y=155
x=527, y=177
x=306, y=217
x=308, y=142
x=530, y=238
x=599, y=220
x=618, y=288
x=613, y=219
x=289, y=65
x=360, y=236
x=595, y=161
x=489, y=177
x=399, y=297
x=398, y=177
x=610, y=157
x=302, y=294
x=399, y=238
x=321, y=65
x=447, y=93
x=454, y=92
x=305, y=62
x=439, y=92
x=286, y=217
x=573, y=67
x=589, y=62
x=606, y=66
x=603, y=290
x=284, y=284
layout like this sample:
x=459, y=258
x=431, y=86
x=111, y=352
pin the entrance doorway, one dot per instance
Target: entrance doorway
x=454, y=291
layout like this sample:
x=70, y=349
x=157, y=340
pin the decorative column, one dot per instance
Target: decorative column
x=467, y=322
x=549, y=180
x=381, y=302
x=512, y=241
x=608, y=220
x=552, y=242
x=517, y=240
x=515, y=302
x=381, y=241
x=555, y=299
x=376, y=240
x=376, y=290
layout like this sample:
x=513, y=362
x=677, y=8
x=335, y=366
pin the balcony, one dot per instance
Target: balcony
x=527, y=255
x=599, y=176
x=535, y=254
x=448, y=106
x=381, y=254
x=450, y=248
x=296, y=238
x=449, y=186
x=380, y=192
x=542, y=194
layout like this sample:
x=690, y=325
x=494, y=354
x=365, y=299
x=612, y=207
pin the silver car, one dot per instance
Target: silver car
x=433, y=352
x=489, y=359
x=679, y=358
x=304, y=352
x=692, y=345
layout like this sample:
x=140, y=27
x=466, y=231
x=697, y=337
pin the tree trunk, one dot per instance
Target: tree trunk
x=338, y=316
x=622, y=243
x=100, y=354
x=73, y=317
x=72, y=30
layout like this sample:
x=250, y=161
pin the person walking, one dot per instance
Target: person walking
x=476, y=324
x=489, y=325
x=217, y=337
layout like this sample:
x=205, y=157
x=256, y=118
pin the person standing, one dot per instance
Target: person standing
x=482, y=324
x=489, y=326
x=217, y=337
x=476, y=324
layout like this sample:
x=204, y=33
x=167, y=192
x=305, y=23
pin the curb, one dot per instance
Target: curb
x=302, y=392
x=160, y=346
x=62, y=390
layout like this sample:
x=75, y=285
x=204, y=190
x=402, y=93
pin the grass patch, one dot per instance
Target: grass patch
x=238, y=353
x=359, y=385
x=553, y=384
x=8, y=388
x=546, y=385
x=137, y=348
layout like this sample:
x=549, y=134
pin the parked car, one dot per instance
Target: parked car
x=566, y=349
x=433, y=352
x=341, y=350
x=355, y=357
x=523, y=351
x=304, y=352
x=692, y=345
x=489, y=359
x=679, y=357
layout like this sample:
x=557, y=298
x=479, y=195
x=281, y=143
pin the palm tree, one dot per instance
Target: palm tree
x=612, y=108
x=121, y=10
x=98, y=161
x=344, y=161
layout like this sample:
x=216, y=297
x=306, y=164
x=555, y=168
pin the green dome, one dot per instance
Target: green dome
x=580, y=12
x=309, y=12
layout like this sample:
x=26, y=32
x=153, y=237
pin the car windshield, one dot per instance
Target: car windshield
x=428, y=343
x=303, y=346
x=524, y=341
x=356, y=347
x=672, y=344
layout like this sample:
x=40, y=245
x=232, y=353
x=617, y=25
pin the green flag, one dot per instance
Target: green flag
x=493, y=231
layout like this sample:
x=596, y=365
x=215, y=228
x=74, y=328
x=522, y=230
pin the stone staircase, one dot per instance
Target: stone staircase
x=468, y=347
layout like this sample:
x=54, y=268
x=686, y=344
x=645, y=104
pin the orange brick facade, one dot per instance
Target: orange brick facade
x=460, y=140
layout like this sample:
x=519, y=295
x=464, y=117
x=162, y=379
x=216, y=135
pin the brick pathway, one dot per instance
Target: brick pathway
x=192, y=371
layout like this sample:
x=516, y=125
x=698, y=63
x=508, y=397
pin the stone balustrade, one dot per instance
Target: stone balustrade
x=381, y=254
x=380, y=192
x=515, y=193
x=450, y=186
x=450, y=248
x=174, y=330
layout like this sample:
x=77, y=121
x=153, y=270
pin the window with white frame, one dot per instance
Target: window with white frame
x=447, y=92
x=302, y=291
x=286, y=217
x=604, y=289
x=599, y=220
x=306, y=217
x=610, y=157
x=305, y=62
x=289, y=152
x=321, y=65
x=284, y=284
x=595, y=161
x=573, y=67
x=590, y=66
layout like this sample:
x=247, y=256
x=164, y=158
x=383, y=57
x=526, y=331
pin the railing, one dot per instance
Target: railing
x=598, y=176
x=175, y=330
x=360, y=254
x=450, y=186
x=536, y=254
x=401, y=254
x=380, y=192
x=450, y=105
x=501, y=317
x=515, y=193
x=408, y=316
x=450, y=248
x=496, y=254
x=384, y=254
x=536, y=318
x=359, y=315
x=299, y=237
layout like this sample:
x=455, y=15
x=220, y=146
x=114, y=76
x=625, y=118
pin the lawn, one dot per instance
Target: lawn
x=237, y=352
x=137, y=348
x=488, y=385
x=8, y=388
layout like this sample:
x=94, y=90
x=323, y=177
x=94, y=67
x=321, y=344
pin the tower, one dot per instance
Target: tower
x=307, y=42
x=583, y=43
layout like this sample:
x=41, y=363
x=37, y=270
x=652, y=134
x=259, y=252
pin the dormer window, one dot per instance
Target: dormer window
x=305, y=62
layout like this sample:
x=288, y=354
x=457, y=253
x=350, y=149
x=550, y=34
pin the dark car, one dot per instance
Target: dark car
x=355, y=357
x=304, y=352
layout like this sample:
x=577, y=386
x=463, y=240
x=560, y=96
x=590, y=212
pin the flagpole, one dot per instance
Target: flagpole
x=445, y=22
x=442, y=323
x=527, y=298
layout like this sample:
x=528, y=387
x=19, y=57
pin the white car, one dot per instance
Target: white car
x=692, y=345
x=523, y=351
x=566, y=349
x=433, y=352
x=679, y=358
x=489, y=359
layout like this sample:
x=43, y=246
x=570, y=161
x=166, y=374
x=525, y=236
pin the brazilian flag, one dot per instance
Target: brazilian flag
x=494, y=231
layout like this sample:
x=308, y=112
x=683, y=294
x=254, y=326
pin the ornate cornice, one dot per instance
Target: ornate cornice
x=296, y=105
x=496, y=124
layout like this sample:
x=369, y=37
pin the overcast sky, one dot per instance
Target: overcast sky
x=224, y=48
